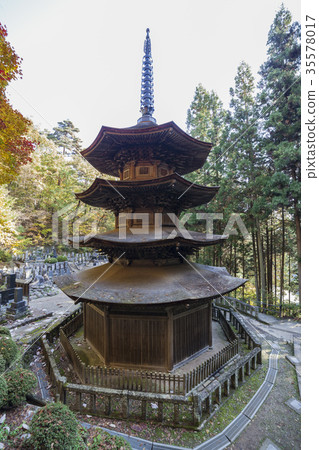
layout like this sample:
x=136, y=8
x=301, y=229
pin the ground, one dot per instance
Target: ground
x=274, y=420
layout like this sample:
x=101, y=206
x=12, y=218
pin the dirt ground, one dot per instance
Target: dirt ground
x=275, y=420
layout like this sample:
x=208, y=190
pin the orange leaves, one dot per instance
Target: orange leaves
x=15, y=148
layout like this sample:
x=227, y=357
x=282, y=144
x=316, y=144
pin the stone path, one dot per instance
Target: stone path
x=59, y=305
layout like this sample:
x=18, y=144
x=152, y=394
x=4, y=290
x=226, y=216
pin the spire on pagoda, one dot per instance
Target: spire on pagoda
x=147, y=93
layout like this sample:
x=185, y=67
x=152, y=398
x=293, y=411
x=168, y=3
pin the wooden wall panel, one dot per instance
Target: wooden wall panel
x=138, y=341
x=95, y=328
x=191, y=333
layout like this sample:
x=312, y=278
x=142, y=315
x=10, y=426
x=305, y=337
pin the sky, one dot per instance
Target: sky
x=82, y=60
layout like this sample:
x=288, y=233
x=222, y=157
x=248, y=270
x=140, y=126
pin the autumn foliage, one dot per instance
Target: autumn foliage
x=15, y=148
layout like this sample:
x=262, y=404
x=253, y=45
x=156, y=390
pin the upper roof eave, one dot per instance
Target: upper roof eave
x=138, y=131
x=117, y=185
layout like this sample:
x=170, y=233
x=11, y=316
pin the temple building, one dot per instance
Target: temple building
x=149, y=307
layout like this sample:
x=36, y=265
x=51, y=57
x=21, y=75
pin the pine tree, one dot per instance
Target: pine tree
x=281, y=114
x=205, y=121
x=65, y=137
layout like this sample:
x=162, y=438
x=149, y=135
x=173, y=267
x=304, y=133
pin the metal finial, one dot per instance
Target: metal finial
x=147, y=93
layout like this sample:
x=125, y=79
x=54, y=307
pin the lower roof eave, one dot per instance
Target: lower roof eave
x=148, y=285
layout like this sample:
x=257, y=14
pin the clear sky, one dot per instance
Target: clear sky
x=82, y=59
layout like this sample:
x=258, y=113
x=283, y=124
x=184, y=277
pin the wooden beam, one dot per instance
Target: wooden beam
x=106, y=336
x=210, y=324
x=170, y=339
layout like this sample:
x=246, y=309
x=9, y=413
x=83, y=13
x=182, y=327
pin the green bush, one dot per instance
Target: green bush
x=55, y=427
x=3, y=392
x=4, y=331
x=8, y=349
x=5, y=256
x=101, y=439
x=51, y=260
x=2, y=364
x=20, y=382
x=62, y=258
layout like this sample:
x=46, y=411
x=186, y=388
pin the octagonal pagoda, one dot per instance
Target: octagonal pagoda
x=149, y=307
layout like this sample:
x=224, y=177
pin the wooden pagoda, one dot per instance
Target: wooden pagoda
x=148, y=307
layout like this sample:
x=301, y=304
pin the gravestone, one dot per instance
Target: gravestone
x=18, y=308
x=11, y=280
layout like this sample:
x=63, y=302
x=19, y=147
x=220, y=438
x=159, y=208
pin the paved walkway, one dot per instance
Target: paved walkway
x=59, y=305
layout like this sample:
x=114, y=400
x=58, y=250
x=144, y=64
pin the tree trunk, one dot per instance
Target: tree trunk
x=275, y=274
x=270, y=291
x=243, y=265
x=298, y=239
x=235, y=258
x=267, y=262
x=282, y=260
x=261, y=265
x=289, y=279
x=256, y=268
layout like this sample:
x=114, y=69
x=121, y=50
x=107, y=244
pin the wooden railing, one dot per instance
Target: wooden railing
x=239, y=305
x=210, y=367
x=229, y=333
x=54, y=332
x=142, y=380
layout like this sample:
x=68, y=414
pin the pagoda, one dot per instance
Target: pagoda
x=148, y=307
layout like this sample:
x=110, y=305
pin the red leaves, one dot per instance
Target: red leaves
x=15, y=148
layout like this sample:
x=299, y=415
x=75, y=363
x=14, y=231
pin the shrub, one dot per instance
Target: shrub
x=51, y=260
x=101, y=439
x=5, y=256
x=20, y=382
x=4, y=331
x=2, y=364
x=62, y=258
x=3, y=391
x=8, y=349
x=55, y=427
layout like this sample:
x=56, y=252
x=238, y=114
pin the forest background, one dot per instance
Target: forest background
x=255, y=160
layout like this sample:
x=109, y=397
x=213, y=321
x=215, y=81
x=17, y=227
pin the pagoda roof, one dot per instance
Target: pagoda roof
x=113, y=147
x=172, y=192
x=148, y=284
x=166, y=235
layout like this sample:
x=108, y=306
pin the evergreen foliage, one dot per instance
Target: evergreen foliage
x=55, y=427
x=2, y=364
x=4, y=331
x=65, y=137
x=256, y=162
x=20, y=382
x=3, y=391
x=8, y=349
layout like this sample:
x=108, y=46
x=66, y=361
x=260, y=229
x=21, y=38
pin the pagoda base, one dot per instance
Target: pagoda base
x=186, y=398
x=148, y=337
